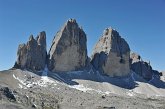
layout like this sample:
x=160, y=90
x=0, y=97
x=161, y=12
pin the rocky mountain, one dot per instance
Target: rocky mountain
x=142, y=68
x=111, y=54
x=66, y=78
x=32, y=56
x=68, y=51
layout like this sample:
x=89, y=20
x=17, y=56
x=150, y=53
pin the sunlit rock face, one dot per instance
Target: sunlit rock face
x=111, y=54
x=68, y=51
x=32, y=55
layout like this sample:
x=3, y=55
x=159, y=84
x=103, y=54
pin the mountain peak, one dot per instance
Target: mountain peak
x=72, y=20
x=69, y=50
x=71, y=24
x=109, y=31
x=32, y=56
x=111, y=54
x=31, y=37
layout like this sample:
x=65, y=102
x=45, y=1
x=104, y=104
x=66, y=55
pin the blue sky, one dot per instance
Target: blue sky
x=140, y=22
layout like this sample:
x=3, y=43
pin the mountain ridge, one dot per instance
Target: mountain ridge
x=68, y=41
x=67, y=78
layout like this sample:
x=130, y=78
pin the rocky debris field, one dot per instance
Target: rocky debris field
x=27, y=90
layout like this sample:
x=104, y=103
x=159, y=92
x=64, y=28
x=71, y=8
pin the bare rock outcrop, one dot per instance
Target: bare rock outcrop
x=111, y=54
x=68, y=51
x=32, y=56
x=142, y=68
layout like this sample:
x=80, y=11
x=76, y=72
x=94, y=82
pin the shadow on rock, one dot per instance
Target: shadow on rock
x=89, y=74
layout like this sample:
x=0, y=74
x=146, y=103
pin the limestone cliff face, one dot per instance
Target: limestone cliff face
x=111, y=54
x=68, y=51
x=32, y=56
x=141, y=67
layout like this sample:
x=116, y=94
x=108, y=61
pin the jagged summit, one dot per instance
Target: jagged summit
x=41, y=39
x=111, y=54
x=71, y=20
x=109, y=31
x=71, y=23
x=135, y=57
x=142, y=68
x=111, y=41
x=31, y=37
x=68, y=51
x=32, y=55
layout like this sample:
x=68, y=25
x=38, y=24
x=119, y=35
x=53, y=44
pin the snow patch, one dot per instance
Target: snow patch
x=102, y=92
x=159, y=95
x=20, y=86
x=107, y=92
x=130, y=93
x=81, y=87
x=21, y=81
x=43, y=82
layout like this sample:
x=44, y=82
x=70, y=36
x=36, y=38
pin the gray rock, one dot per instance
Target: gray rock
x=111, y=54
x=69, y=50
x=5, y=91
x=140, y=67
x=32, y=56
